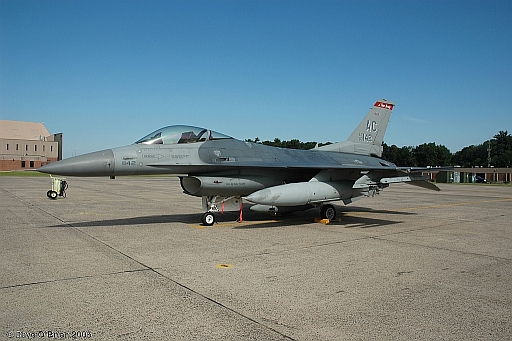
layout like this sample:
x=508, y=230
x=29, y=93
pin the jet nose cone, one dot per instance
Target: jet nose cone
x=93, y=164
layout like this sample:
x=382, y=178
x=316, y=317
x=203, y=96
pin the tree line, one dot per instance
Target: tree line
x=430, y=154
x=292, y=144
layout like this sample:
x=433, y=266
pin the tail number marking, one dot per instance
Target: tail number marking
x=365, y=137
x=371, y=126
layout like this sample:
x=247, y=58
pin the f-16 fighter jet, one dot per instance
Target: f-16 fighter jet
x=227, y=172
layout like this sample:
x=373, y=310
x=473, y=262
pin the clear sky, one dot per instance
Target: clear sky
x=105, y=72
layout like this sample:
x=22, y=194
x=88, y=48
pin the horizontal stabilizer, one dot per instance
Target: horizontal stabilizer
x=424, y=184
x=425, y=169
x=420, y=181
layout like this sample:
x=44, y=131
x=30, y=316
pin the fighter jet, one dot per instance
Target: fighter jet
x=227, y=172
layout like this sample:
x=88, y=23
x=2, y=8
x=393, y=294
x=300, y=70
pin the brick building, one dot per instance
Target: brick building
x=27, y=145
x=471, y=175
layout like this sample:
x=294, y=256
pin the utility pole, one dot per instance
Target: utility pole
x=489, y=155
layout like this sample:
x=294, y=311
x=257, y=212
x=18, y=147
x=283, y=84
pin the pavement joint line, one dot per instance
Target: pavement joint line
x=310, y=246
x=466, y=203
x=154, y=270
x=34, y=206
x=439, y=248
x=218, y=303
x=145, y=268
x=71, y=278
x=406, y=209
x=380, y=238
x=474, y=305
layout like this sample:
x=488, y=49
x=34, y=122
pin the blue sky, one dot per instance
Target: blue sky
x=106, y=73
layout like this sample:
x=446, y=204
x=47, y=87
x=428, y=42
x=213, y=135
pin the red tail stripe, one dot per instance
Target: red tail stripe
x=384, y=105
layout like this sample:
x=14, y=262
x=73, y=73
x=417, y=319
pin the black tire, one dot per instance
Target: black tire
x=208, y=219
x=328, y=212
x=53, y=195
x=49, y=193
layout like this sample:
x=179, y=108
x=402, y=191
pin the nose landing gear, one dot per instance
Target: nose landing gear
x=208, y=219
x=217, y=203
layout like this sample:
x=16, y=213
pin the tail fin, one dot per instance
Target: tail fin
x=368, y=136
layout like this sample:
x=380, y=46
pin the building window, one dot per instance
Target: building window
x=43, y=148
x=7, y=146
x=26, y=147
x=17, y=146
x=51, y=148
x=35, y=147
x=22, y=164
x=31, y=164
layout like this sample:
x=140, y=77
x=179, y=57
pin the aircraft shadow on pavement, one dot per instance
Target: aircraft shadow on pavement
x=143, y=220
x=355, y=217
x=356, y=209
x=349, y=218
x=364, y=217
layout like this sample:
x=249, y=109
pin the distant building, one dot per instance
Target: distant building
x=27, y=145
x=472, y=175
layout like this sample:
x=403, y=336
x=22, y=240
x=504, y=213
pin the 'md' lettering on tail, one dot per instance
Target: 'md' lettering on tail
x=367, y=138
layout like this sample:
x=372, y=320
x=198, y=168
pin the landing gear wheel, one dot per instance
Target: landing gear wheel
x=52, y=194
x=49, y=193
x=328, y=212
x=208, y=219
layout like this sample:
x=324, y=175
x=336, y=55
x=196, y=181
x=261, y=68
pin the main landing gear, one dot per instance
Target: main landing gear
x=328, y=211
x=214, y=204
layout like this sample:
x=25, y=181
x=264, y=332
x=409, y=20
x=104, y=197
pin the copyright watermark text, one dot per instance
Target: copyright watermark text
x=49, y=334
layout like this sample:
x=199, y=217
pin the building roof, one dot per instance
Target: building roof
x=23, y=130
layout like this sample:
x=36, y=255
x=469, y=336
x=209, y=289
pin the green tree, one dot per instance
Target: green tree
x=501, y=156
x=400, y=156
x=501, y=153
x=471, y=156
x=430, y=154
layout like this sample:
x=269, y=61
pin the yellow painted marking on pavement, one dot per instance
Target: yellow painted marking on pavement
x=224, y=266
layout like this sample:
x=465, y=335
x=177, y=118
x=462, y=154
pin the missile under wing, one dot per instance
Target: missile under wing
x=225, y=172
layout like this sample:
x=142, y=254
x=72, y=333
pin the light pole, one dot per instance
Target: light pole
x=489, y=155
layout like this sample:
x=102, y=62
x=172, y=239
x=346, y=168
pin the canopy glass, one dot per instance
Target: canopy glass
x=181, y=134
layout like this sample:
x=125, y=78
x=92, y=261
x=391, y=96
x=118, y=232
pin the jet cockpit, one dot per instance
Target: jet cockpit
x=181, y=134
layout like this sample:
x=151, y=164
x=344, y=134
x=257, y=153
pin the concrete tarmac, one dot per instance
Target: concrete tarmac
x=128, y=259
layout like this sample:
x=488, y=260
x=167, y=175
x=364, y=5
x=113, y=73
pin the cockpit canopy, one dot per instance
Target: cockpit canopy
x=181, y=134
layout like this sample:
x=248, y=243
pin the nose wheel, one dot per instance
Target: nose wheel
x=208, y=219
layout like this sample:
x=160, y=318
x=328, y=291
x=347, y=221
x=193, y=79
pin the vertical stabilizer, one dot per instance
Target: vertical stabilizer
x=367, y=138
